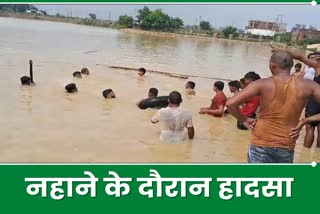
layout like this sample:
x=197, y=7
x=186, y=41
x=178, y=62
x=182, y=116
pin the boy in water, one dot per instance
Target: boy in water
x=152, y=93
x=218, y=102
x=85, y=71
x=142, y=72
x=25, y=80
x=190, y=88
x=71, y=88
x=108, y=94
x=77, y=74
x=174, y=120
x=234, y=87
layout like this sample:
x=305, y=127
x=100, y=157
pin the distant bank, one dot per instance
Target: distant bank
x=107, y=24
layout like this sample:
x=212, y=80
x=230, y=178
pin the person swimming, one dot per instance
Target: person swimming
x=71, y=88
x=142, y=72
x=108, y=94
x=25, y=80
x=85, y=71
x=77, y=74
x=190, y=88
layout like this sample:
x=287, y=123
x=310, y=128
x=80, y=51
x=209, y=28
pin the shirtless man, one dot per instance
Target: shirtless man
x=282, y=102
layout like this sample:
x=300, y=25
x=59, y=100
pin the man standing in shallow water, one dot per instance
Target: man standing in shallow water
x=174, y=120
x=281, y=107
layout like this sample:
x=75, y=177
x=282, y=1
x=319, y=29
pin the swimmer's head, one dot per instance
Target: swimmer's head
x=242, y=83
x=190, y=85
x=77, y=74
x=153, y=92
x=25, y=80
x=71, y=88
x=108, y=94
x=142, y=72
x=234, y=86
x=250, y=77
x=298, y=67
x=218, y=86
x=175, y=98
x=85, y=71
x=281, y=61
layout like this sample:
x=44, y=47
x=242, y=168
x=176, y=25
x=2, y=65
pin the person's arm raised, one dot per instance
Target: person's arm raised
x=309, y=62
x=253, y=89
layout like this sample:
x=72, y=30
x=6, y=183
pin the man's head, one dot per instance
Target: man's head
x=218, y=86
x=71, y=88
x=85, y=71
x=25, y=80
x=153, y=92
x=175, y=98
x=298, y=67
x=281, y=61
x=242, y=83
x=77, y=74
x=315, y=56
x=142, y=71
x=234, y=86
x=250, y=77
x=190, y=85
x=108, y=94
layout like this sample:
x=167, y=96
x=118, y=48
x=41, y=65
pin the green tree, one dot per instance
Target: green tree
x=229, y=30
x=176, y=23
x=92, y=16
x=205, y=25
x=125, y=21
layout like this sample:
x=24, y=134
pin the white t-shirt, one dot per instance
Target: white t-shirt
x=174, y=121
x=309, y=73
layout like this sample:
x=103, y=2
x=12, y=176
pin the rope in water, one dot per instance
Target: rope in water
x=176, y=75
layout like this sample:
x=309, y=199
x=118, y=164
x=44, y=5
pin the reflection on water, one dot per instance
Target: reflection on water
x=46, y=124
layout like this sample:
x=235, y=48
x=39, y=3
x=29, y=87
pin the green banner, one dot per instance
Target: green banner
x=163, y=1
x=165, y=188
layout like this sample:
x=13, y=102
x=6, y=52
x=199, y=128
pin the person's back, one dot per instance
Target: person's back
x=174, y=120
x=282, y=102
x=281, y=107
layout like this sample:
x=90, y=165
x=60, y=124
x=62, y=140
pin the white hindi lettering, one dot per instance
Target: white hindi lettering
x=278, y=187
x=118, y=188
x=146, y=188
x=57, y=191
x=252, y=187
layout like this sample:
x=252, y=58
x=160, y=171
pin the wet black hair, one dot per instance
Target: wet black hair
x=143, y=70
x=192, y=84
x=235, y=84
x=106, y=92
x=175, y=98
x=83, y=70
x=77, y=73
x=219, y=85
x=251, y=75
x=25, y=80
x=298, y=65
x=70, y=88
x=154, y=91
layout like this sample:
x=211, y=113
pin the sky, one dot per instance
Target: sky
x=218, y=15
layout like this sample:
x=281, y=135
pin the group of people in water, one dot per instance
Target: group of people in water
x=270, y=107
